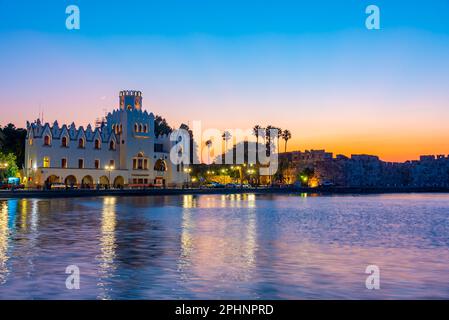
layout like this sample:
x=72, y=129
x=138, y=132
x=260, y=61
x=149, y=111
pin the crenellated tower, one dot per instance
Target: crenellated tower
x=130, y=100
x=134, y=127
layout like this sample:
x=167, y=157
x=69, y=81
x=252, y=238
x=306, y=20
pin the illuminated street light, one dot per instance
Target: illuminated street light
x=109, y=169
x=188, y=178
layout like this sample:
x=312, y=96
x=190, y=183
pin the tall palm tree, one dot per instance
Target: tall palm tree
x=256, y=131
x=208, y=145
x=268, y=138
x=279, y=136
x=286, y=135
x=226, y=137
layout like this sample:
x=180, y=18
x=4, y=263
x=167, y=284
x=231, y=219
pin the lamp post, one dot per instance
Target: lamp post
x=3, y=166
x=109, y=170
x=188, y=171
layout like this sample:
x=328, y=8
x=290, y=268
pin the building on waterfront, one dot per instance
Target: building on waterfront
x=123, y=150
x=367, y=170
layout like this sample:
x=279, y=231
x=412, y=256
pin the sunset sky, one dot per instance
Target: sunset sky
x=311, y=67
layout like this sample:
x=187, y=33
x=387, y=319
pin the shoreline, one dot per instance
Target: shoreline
x=225, y=191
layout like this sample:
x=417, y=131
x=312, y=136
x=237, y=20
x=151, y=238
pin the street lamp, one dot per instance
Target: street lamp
x=109, y=170
x=3, y=166
x=188, y=171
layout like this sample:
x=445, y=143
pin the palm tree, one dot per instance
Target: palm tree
x=268, y=138
x=286, y=135
x=226, y=137
x=279, y=136
x=256, y=131
x=208, y=145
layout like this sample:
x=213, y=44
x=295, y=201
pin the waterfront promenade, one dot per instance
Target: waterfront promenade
x=197, y=191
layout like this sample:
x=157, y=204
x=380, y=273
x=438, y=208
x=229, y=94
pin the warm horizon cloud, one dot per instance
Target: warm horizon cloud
x=311, y=68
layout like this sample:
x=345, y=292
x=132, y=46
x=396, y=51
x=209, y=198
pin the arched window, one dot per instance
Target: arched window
x=112, y=145
x=145, y=128
x=64, y=142
x=140, y=162
x=160, y=165
x=136, y=127
x=140, y=128
x=81, y=143
x=47, y=140
x=97, y=144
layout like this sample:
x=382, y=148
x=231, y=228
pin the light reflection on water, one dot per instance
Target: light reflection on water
x=225, y=246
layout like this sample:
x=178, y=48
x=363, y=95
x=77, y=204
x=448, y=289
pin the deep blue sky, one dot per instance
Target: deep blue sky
x=219, y=17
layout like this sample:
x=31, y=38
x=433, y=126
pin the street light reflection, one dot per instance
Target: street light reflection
x=107, y=245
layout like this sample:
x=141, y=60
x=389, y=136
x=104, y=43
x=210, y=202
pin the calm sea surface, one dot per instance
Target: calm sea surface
x=226, y=247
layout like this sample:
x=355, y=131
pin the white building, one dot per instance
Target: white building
x=123, y=151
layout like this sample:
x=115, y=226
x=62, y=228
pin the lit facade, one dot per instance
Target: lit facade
x=123, y=151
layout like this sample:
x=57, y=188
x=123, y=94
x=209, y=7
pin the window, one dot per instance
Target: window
x=158, y=147
x=46, y=162
x=97, y=164
x=111, y=163
x=80, y=163
x=145, y=128
x=97, y=144
x=64, y=142
x=64, y=163
x=136, y=128
x=47, y=140
x=140, y=162
x=140, y=128
x=81, y=143
x=112, y=145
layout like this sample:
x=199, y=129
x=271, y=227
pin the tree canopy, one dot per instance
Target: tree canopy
x=8, y=166
x=161, y=126
x=12, y=140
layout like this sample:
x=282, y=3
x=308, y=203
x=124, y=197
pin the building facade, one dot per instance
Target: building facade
x=122, y=151
x=366, y=170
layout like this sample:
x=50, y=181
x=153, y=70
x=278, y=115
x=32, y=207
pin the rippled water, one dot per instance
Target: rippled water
x=232, y=247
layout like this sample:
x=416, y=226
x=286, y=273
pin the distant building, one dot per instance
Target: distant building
x=122, y=151
x=367, y=170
